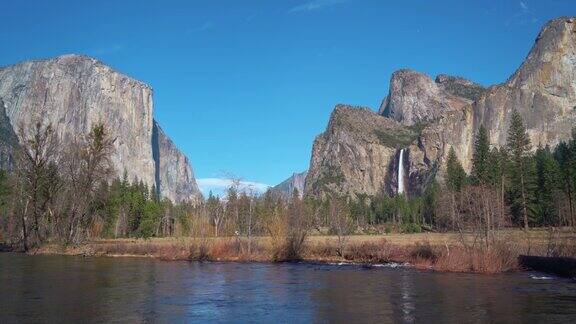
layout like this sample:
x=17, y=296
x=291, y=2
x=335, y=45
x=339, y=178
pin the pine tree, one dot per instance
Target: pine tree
x=455, y=181
x=480, y=160
x=547, y=184
x=495, y=171
x=429, y=202
x=498, y=164
x=565, y=155
x=521, y=174
x=455, y=174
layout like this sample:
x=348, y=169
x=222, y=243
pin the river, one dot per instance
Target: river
x=76, y=289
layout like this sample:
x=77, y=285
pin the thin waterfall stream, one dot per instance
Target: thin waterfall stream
x=401, y=173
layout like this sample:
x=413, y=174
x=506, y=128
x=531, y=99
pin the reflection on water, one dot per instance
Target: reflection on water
x=59, y=288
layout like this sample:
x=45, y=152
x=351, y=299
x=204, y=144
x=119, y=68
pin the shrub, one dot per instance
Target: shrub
x=370, y=252
x=411, y=228
x=423, y=251
x=495, y=259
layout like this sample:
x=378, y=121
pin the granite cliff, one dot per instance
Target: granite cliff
x=422, y=117
x=8, y=140
x=174, y=175
x=73, y=92
x=286, y=187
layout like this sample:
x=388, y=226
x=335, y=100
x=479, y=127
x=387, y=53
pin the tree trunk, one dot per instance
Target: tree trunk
x=502, y=208
x=24, y=231
x=453, y=200
x=524, y=203
x=571, y=207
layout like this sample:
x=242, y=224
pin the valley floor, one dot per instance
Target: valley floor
x=451, y=252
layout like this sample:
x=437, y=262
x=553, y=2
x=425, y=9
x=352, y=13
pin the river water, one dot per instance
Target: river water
x=76, y=289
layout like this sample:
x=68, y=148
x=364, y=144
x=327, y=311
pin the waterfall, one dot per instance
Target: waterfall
x=401, y=173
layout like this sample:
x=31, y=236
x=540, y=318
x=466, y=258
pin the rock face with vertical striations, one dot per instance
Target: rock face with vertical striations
x=73, y=92
x=174, y=175
x=8, y=140
x=296, y=181
x=416, y=98
x=352, y=156
x=543, y=89
x=447, y=112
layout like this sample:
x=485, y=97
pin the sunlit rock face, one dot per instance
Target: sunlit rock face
x=543, y=89
x=443, y=113
x=415, y=98
x=286, y=187
x=353, y=155
x=73, y=92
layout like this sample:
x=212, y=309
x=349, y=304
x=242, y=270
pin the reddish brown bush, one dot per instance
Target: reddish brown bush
x=495, y=259
x=371, y=252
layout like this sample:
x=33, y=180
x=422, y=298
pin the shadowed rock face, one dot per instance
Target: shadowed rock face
x=296, y=181
x=8, y=140
x=447, y=113
x=174, y=175
x=74, y=92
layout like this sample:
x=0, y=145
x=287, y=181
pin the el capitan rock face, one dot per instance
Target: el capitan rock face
x=174, y=175
x=447, y=112
x=73, y=92
x=8, y=140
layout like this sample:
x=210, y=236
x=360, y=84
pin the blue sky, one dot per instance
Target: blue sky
x=243, y=87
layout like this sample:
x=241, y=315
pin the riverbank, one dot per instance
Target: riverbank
x=447, y=252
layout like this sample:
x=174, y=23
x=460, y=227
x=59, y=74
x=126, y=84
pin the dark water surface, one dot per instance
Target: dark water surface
x=75, y=289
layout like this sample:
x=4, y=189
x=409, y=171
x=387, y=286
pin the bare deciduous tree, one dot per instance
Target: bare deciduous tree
x=38, y=177
x=87, y=163
x=340, y=223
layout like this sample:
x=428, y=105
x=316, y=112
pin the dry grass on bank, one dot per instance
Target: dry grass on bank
x=438, y=251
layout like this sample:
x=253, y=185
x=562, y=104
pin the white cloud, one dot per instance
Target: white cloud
x=315, y=5
x=523, y=16
x=219, y=186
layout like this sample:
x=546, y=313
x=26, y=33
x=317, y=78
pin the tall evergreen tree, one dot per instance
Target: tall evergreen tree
x=480, y=160
x=455, y=174
x=521, y=174
x=547, y=184
x=565, y=155
x=455, y=181
x=498, y=163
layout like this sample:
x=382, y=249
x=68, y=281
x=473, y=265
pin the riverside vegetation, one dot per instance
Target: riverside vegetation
x=515, y=201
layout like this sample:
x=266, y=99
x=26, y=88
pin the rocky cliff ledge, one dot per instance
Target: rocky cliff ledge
x=296, y=181
x=446, y=112
x=415, y=98
x=353, y=155
x=73, y=92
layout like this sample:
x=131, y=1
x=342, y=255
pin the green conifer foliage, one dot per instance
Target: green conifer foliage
x=455, y=174
x=547, y=179
x=480, y=160
x=520, y=170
